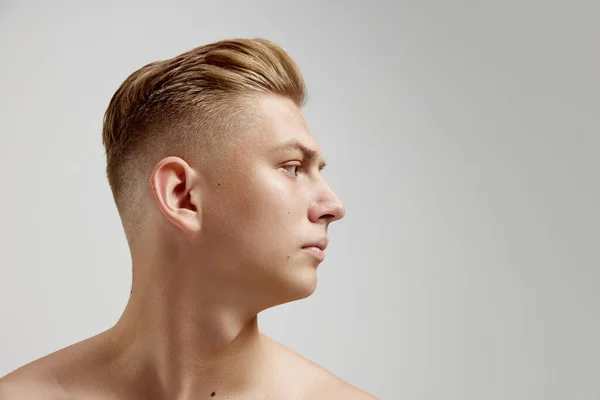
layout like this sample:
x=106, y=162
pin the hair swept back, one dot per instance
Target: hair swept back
x=180, y=106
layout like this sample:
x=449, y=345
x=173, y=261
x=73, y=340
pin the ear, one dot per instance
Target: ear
x=176, y=189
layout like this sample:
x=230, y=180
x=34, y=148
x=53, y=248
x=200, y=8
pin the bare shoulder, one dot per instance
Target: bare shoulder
x=50, y=377
x=24, y=384
x=317, y=382
x=333, y=387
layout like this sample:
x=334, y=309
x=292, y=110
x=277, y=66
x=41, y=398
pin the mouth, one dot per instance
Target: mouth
x=315, y=251
x=317, y=248
x=320, y=244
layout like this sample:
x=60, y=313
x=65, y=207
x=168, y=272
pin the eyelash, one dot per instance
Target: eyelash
x=300, y=167
x=291, y=166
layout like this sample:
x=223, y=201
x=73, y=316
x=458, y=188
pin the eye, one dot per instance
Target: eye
x=297, y=167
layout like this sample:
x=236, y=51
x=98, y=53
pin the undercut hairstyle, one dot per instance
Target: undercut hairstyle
x=185, y=106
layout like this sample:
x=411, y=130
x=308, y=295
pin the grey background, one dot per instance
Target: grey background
x=462, y=136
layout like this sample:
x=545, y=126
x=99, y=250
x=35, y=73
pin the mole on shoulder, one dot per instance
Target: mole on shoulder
x=212, y=394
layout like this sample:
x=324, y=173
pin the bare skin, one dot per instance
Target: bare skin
x=219, y=248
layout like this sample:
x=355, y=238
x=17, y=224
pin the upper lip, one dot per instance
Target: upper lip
x=321, y=244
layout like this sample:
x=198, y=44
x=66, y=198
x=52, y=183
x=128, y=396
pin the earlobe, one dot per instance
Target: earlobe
x=175, y=190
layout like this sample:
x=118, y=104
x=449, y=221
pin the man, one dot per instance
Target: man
x=217, y=182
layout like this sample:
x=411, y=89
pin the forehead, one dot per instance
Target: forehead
x=279, y=122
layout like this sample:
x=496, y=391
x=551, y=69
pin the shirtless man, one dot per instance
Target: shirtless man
x=217, y=182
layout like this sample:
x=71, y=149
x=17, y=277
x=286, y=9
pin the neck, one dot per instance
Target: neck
x=182, y=341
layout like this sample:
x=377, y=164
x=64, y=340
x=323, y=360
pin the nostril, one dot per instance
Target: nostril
x=328, y=217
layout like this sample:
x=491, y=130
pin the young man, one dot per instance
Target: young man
x=217, y=182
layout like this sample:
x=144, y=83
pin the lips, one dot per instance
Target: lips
x=320, y=244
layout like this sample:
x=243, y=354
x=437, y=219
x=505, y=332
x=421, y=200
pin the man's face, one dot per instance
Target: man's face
x=269, y=202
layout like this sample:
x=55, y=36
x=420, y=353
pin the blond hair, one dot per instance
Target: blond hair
x=182, y=106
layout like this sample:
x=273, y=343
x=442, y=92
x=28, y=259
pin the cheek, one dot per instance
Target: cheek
x=272, y=217
x=261, y=206
x=279, y=200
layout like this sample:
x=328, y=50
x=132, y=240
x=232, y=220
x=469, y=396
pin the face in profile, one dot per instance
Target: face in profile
x=267, y=204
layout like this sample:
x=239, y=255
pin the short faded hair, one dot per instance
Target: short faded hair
x=182, y=106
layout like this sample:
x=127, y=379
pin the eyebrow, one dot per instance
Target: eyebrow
x=312, y=155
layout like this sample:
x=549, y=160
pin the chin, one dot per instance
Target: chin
x=302, y=283
x=298, y=285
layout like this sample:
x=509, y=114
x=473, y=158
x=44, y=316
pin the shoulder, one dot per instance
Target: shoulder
x=317, y=382
x=331, y=386
x=21, y=385
x=48, y=377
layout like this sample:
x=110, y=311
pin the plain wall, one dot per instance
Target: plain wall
x=463, y=138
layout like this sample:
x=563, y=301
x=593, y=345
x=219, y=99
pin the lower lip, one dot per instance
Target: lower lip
x=317, y=252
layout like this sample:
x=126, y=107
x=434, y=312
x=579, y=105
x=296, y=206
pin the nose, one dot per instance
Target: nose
x=328, y=207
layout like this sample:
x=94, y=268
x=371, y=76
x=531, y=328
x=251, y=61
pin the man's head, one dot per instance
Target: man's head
x=210, y=160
